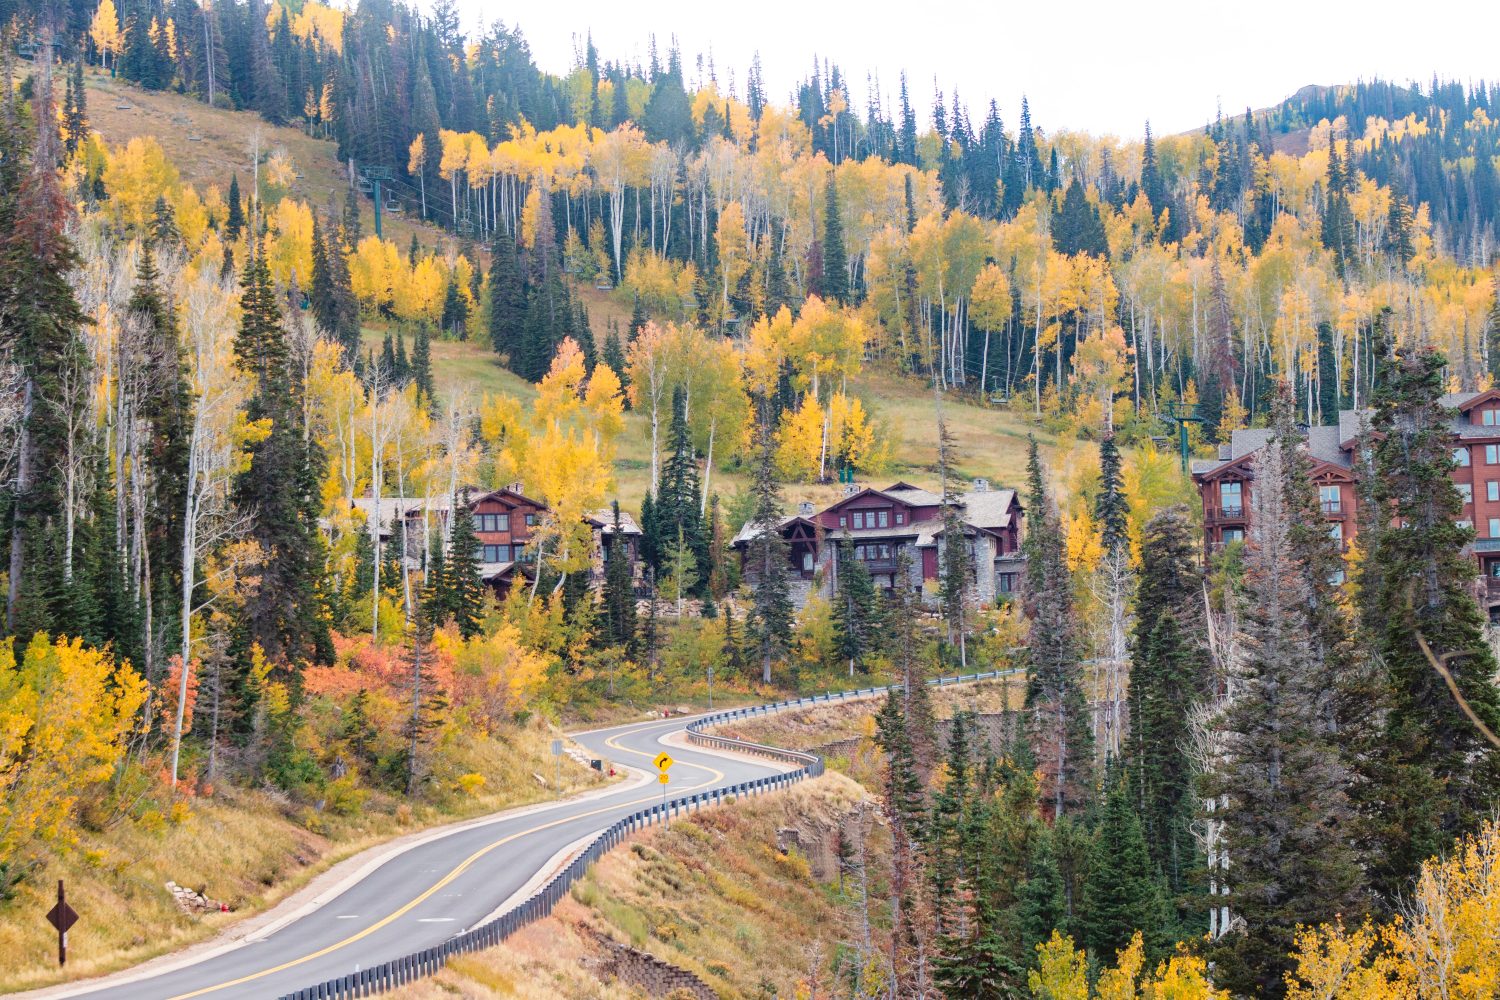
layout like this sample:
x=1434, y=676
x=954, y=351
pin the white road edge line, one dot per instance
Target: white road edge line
x=311, y=897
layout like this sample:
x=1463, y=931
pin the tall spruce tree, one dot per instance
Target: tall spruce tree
x=507, y=291
x=466, y=590
x=41, y=327
x=619, y=589
x=770, y=619
x=1287, y=819
x=856, y=613
x=1111, y=508
x=279, y=491
x=1122, y=891
x=835, y=255
x=679, y=497
x=1168, y=678
x=956, y=561
x=1060, y=730
x=1432, y=775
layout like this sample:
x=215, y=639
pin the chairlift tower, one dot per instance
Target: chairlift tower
x=375, y=175
x=1183, y=414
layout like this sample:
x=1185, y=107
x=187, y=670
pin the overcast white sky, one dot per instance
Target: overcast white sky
x=1085, y=64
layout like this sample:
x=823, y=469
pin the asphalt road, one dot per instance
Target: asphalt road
x=433, y=891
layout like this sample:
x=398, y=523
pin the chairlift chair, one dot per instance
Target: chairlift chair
x=364, y=185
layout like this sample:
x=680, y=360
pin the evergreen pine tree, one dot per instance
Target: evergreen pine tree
x=1287, y=819
x=619, y=589
x=234, y=220
x=279, y=490
x=1122, y=892
x=855, y=612
x=1061, y=732
x=1111, y=508
x=507, y=291
x=421, y=365
x=835, y=256
x=770, y=620
x=466, y=591
x=638, y=318
x=1043, y=906
x=650, y=533
x=679, y=497
x=1431, y=775
x=1168, y=678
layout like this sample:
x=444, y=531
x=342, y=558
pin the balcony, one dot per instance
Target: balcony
x=1220, y=514
x=1492, y=590
x=1332, y=506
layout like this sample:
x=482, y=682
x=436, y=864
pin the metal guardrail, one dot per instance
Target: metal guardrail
x=410, y=968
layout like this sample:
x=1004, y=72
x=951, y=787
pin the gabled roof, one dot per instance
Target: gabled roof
x=750, y=530
x=508, y=496
x=871, y=491
x=1463, y=402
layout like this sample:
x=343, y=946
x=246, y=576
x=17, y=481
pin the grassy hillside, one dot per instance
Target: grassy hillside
x=208, y=145
x=248, y=848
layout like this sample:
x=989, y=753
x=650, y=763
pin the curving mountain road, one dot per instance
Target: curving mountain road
x=434, y=890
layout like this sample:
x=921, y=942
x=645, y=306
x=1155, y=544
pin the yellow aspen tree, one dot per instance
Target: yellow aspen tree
x=105, y=31
x=66, y=712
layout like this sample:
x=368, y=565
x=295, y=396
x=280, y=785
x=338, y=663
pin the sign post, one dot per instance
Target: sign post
x=663, y=764
x=557, y=749
x=62, y=917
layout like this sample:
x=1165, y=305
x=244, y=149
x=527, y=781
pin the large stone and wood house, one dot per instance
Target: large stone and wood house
x=1226, y=484
x=882, y=525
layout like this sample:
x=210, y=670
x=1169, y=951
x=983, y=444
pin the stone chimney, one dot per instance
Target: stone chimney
x=515, y=487
x=851, y=488
x=981, y=486
x=805, y=508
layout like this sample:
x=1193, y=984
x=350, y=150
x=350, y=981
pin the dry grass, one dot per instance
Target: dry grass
x=812, y=727
x=708, y=893
x=209, y=145
x=248, y=848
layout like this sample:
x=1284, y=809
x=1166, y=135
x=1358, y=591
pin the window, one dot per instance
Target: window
x=884, y=516
x=843, y=521
x=1461, y=457
x=1494, y=568
x=1495, y=527
x=900, y=517
x=1234, y=535
x=1336, y=531
x=494, y=553
x=1336, y=578
x=1005, y=583
x=859, y=519
x=1492, y=454
x=807, y=562
x=1328, y=496
x=531, y=520
x=492, y=522
x=1489, y=417
x=1230, y=498
x=1466, y=491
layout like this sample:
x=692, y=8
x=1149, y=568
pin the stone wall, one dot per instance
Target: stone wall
x=646, y=972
